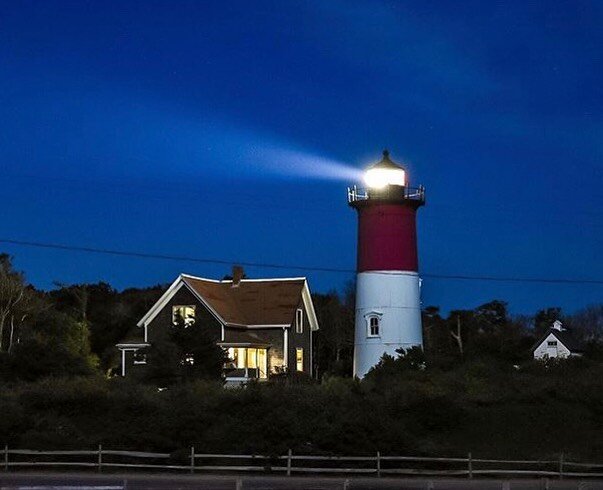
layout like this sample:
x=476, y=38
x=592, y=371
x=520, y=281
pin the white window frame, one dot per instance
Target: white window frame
x=193, y=307
x=369, y=318
x=299, y=320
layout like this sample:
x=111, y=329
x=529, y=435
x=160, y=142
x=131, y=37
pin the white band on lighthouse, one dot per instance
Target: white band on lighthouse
x=388, y=316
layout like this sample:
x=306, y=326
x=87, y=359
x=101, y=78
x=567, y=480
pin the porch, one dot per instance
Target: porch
x=245, y=363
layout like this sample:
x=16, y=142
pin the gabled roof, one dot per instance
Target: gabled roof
x=253, y=302
x=563, y=336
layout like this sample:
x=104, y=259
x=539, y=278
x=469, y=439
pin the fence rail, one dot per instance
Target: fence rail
x=290, y=463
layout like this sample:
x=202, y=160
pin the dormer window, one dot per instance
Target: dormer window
x=183, y=315
x=299, y=321
x=373, y=325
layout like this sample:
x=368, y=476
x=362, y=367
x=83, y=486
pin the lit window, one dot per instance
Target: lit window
x=188, y=360
x=299, y=321
x=552, y=343
x=252, y=358
x=140, y=358
x=373, y=326
x=184, y=314
x=299, y=359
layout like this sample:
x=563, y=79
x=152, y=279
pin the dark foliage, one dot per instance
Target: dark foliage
x=474, y=387
x=186, y=353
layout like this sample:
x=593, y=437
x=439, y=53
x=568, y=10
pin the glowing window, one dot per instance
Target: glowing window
x=299, y=359
x=374, y=326
x=183, y=314
x=252, y=358
x=299, y=321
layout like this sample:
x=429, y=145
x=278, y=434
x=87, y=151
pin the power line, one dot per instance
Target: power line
x=179, y=258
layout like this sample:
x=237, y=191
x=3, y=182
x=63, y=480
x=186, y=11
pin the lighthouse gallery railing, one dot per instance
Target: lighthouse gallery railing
x=361, y=194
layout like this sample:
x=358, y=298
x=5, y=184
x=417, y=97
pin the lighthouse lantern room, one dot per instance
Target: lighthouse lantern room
x=388, y=305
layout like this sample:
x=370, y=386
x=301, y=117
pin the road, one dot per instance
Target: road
x=87, y=481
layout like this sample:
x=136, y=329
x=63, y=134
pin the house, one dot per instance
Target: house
x=265, y=325
x=557, y=342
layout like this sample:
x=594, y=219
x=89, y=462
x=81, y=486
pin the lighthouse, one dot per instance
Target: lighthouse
x=388, y=304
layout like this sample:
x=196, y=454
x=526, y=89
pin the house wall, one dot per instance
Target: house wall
x=160, y=326
x=542, y=350
x=302, y=340
x=275, y=337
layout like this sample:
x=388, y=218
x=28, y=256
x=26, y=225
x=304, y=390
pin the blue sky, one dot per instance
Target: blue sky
x=230, y=130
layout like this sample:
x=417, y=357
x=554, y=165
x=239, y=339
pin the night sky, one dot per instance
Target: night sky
x=230, y=130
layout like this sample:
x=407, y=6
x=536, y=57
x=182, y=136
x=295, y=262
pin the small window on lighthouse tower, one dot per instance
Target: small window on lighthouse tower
x=373, y=326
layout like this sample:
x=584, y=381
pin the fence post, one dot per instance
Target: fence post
x=470, y=465
x=192, y=459
x=289, y=454
x=6, y=457
x=378, y=464
x=561, y=466
x=100, y=457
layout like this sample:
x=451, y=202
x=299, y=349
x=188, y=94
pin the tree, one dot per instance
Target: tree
x=18, y=302
x=389, y=367
x=52, y=343
x=545, y=318
x=109, y=314
x=187, y=352
x=335, y=339
x=588, y=323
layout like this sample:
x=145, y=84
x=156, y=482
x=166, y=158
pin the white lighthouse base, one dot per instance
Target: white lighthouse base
x=393, y=297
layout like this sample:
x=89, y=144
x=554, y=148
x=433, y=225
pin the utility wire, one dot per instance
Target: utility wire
x=179, y=258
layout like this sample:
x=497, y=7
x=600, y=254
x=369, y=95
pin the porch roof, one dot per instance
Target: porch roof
x=242, y=338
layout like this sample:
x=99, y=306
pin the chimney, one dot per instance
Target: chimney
x=237, y=275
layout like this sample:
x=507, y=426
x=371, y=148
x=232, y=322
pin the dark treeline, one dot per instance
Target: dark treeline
x=474, y=387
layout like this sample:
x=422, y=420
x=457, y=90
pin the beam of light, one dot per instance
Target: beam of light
x=299, y=163
x=218, y=147
x=115, y=137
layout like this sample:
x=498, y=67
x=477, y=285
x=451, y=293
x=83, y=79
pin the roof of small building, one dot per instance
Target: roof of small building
x=251, y=302
x=565, y=337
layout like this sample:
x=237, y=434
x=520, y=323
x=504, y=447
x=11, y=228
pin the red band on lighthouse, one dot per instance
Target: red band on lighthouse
x=387, y=238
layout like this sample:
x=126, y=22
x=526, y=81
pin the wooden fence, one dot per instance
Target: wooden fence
x=378, y=465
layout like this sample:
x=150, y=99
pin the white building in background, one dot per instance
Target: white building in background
x=557, y=343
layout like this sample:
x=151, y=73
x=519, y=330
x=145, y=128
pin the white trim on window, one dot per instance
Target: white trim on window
x=188, y=314
x=285, y=348
x=299, y=320
x=373, y=324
